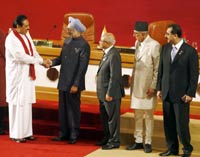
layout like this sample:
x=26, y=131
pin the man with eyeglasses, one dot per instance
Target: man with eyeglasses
x=144, y=80
x=74, y=60
x=110, y=90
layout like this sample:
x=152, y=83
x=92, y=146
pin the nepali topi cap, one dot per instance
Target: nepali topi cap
x=141, y=26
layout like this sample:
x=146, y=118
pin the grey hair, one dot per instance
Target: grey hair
x=109, y=37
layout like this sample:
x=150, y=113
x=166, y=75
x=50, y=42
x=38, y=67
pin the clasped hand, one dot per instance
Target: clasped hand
x=47, y=63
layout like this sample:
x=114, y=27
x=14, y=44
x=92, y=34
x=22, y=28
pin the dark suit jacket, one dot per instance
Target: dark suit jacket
x=74, y=60
x=181, y=76
x=109, y=77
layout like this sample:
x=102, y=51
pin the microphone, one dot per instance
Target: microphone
x=51, y=30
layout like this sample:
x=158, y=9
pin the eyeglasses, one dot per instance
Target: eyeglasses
x=103, y=41
x=137, y=33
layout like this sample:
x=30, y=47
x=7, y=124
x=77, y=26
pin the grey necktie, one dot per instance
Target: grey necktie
x=173, y=53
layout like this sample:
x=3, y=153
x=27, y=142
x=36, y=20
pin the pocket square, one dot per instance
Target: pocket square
x=77, y=50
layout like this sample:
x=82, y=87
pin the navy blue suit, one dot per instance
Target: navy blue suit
x=74, y=60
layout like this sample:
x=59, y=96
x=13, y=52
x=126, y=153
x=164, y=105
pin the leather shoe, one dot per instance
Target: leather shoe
x=72, y=141
x=22, y=140
x=168, y=153
x=147, y=148
x=186, y=154
x=58, y=138
x=102, y=142
x=109, y=146
x=31, y=138
x=135, y=146
x=2, y=132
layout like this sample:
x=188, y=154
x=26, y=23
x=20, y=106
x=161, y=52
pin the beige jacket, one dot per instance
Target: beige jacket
x=146, y=67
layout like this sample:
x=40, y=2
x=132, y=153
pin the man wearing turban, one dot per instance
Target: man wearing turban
x=74, y=60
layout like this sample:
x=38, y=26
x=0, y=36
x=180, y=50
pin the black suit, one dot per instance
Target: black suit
x=74, y=59
x=109, y=81
x=176, y=79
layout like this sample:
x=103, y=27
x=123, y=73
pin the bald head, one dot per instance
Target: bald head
x=109, y=38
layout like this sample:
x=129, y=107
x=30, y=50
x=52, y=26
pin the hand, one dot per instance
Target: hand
x=108, y=98
x=159, y=95
x=151, y=92
x=47, y=63
x=73, y=89
x=186, y=98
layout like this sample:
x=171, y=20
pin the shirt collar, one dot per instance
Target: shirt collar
x=107, y=50
x=178, y=45
x=144, y=41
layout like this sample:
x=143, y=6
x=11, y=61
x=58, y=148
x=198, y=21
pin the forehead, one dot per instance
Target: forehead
x=169, y=29
x=25, y=22
x=137, y=33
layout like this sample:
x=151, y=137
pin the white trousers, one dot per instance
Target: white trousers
x=20, y=121
x=147, y=117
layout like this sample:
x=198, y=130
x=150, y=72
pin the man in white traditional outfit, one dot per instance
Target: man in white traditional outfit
x=21, y=56
x=143, y=95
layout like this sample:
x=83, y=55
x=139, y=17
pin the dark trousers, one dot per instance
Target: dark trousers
x=69, y=114
x=176, y=123
x=110, y=115
x=2, y=113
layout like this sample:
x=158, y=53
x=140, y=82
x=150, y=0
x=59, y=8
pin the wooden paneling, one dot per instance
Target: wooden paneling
x=88, y=97
x=95, y=56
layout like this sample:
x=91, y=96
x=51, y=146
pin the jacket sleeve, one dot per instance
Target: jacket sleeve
x=155, y=58
x=83, y=64
x=115, y=74
x=160, y=71
x=193, y=73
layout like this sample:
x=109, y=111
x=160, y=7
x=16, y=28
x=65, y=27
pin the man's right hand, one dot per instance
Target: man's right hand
x=47, y=63
x=159, y=95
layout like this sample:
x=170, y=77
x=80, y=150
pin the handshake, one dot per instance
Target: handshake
x=47, y=63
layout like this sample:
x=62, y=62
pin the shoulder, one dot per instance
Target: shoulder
x=153, y=42
x=10, y=37
x=114, y=51
x=167, y=46
x=187, y=46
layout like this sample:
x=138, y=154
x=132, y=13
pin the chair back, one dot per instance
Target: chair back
x=87, y=19
x=158, y=29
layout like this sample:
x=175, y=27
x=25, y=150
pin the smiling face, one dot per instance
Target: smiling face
x=72, y=32
x=171, y=38
x=24, y=28
x=140, y=36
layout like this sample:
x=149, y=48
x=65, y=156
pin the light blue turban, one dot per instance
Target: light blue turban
x=76, y=24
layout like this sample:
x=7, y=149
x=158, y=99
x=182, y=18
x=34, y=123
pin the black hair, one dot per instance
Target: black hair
x=176, y=29
x=19, y=20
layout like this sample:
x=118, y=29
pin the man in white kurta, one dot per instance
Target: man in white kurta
x=143, y=95
x=20, y=87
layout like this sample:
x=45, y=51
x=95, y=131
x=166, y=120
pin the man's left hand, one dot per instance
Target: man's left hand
x=108, y=98
x=151, y=92
x=74, y=89
x=186, y=98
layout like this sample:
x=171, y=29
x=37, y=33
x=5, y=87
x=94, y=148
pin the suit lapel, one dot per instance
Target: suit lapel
x=179, y=53
x=104, y=58
x=168, y=55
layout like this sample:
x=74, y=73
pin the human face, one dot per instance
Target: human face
x=72, y=32
x=140, y=36
x=24, y=28
x=103, y=43
x=169, y=36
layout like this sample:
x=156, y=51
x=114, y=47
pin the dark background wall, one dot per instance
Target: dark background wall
x=118, y=16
